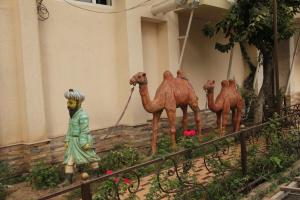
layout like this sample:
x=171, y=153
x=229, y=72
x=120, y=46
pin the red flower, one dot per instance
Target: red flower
x=116, y=179
x=108, y=172
x=189, y=133
x=127, y=181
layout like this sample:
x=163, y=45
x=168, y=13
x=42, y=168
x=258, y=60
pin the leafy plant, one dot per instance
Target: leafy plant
x=3, y=192
x=120, y=157
x=4, y=170
x=251, y=22
x=43, y=176
x=113, y=187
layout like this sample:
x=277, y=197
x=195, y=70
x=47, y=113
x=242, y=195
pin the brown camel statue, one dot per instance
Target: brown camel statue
x=228, y=99
x=172, y=93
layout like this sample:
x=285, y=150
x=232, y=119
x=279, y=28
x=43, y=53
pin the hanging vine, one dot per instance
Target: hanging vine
x=42, y=10
x=249, y=80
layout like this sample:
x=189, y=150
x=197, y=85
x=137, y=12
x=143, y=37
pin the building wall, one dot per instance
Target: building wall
x=79, y=50
x=202, y=62
x=295, y=78
x=10, y=107
x=96, y=53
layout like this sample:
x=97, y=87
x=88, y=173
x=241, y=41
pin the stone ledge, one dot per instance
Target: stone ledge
x=22, y=156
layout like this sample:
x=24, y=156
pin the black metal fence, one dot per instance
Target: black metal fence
x=229, y=152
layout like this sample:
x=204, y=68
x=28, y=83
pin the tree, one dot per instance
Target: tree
x=251, y=21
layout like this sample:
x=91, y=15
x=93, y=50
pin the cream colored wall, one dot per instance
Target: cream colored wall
x=135, y=50
x=155, y=60
x=202, y=62
x=96, y=53
x=295, y=79
x=10, y=119
x=80, y=50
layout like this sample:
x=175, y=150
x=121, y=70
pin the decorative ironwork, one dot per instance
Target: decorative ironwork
x=179, y=173
x=221, y=153
x=42, y=10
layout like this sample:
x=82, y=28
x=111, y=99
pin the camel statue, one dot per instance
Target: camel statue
x=228, y=99
x=172, y=93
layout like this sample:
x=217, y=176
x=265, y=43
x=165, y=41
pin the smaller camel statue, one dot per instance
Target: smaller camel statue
x=172, y=93
x=228, y=99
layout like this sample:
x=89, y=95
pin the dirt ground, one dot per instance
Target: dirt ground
x=23, y=191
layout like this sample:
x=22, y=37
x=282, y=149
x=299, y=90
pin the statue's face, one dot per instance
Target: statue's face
x=71, y=104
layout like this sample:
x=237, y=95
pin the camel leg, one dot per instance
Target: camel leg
x=225, y=117
x=184, y=118
x=196, y=111
x=155, y=120
x=219, y=120
x=233, y=118
x=172, y=124
x=238, y=119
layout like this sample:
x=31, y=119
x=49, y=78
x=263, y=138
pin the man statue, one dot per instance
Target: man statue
x=78, y=142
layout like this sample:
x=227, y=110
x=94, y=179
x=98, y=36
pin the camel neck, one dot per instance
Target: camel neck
x=144, y=89
x=211, y=100
x=147, y=104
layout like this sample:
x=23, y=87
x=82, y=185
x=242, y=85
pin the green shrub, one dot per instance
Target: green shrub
x=121, y=157
x=4, y=170
x=2, y=191
x=107, y=189
x=43, y=176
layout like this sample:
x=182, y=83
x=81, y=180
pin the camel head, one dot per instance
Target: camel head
x=209, y=85
x=139, y=78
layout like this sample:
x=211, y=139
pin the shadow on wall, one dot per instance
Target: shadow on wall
x=295, y=98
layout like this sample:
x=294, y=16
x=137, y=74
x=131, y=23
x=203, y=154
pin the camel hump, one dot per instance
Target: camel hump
x=180, y=74
x=168, y=75
x=225, y=83
x=232, y=82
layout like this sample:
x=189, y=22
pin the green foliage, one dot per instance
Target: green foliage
x=251, y=22
x=120, y=157
x=4, y=170
x=43, y=176
x=277, y=156
x=7, y=174
x=269, y=164
x=2, y=191
x=164, y=146
x=111, y=188
x=74, y=195
x=250, y=99
x=155, y=192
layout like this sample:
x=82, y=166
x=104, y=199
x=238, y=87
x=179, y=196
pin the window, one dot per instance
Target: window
x=103, y=2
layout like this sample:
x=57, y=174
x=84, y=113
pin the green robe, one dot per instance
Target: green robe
x=77, y=137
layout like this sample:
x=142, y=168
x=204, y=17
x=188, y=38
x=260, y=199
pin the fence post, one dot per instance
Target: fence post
x=243, y=152
x=86, y=191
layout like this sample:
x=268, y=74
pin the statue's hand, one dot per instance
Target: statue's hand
x=66, y=145
x=87, y=147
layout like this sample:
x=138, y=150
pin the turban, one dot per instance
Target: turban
x=75, y=95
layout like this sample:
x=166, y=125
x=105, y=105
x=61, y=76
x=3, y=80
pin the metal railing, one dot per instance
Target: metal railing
x=182, y=161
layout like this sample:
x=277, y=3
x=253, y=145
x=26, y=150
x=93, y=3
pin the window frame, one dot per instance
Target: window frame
x=93, y=4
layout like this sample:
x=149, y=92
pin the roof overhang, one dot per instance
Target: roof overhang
x=179, y=5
